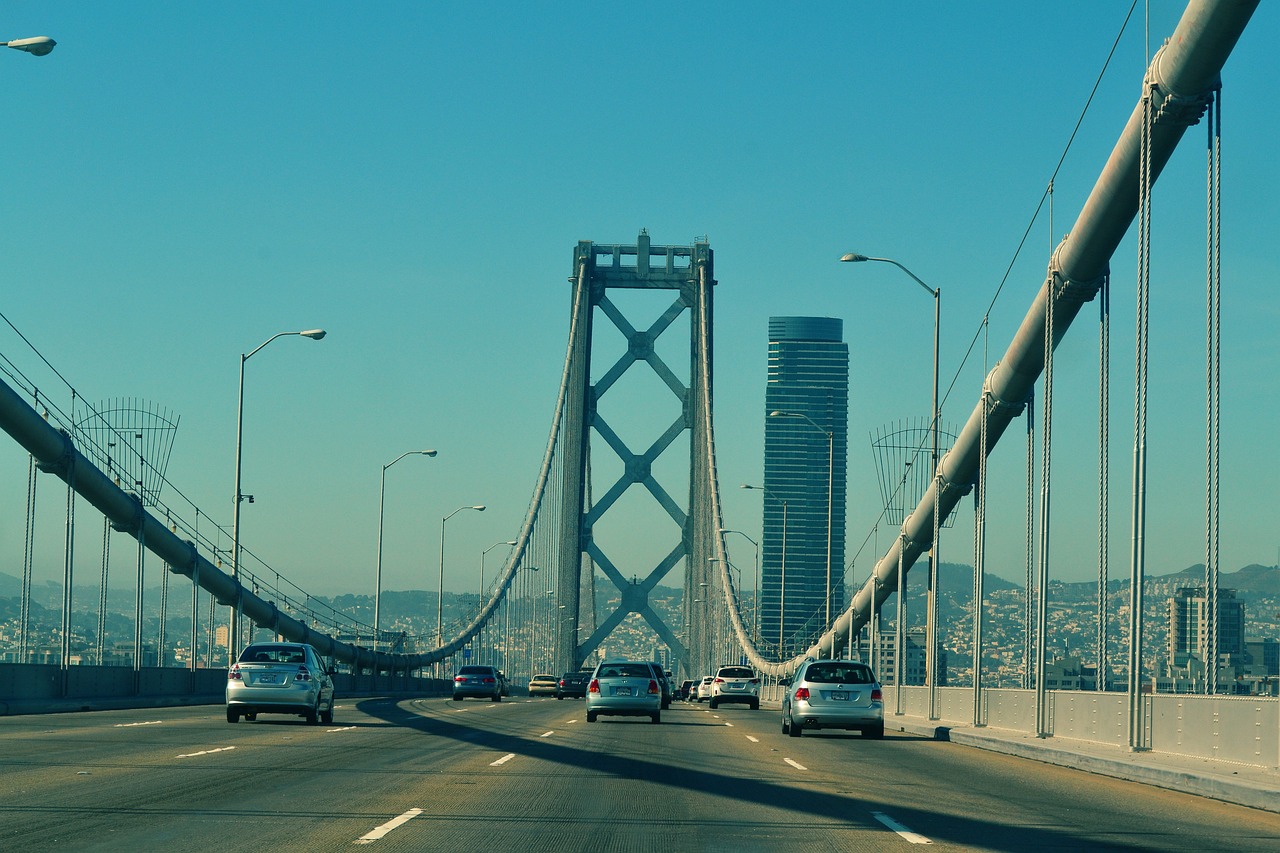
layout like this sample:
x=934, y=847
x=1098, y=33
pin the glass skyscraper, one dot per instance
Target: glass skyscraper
x=805, y=455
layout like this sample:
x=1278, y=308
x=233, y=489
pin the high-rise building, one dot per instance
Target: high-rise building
x=805, y=462
x=1188, y=624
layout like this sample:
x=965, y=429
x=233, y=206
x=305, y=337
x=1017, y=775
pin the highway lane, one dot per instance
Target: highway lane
x=533, y=775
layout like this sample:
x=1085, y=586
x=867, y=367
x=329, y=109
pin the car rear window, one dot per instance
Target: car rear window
x=476, y=670
x=736, y=672
x=273, y=654
x=625, y=670
x=837, y=673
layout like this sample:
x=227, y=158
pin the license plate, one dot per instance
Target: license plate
x=840, y=695
x=736, y=686
x=622, y=691
x=267, y=679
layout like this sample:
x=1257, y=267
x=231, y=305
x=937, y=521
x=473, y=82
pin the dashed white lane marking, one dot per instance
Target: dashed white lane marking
x=344, y=729
x=730, y=725
x=503, y=760
x=206, y=752
x=796, y=764
x=753, y=739
x=913, y=837
x=130, y=725
x=571, y=721
x=380, y=831
x=547, y=734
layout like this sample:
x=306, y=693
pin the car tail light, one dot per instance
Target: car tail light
x=719, y=681
x=595, y=686
x=458, y=678
x=802, y=692
x=653, y=686
x=488, y=681
x=234, y=673
x=876, y=695
x=562, y=682
x=754, y=681
x=303, y=674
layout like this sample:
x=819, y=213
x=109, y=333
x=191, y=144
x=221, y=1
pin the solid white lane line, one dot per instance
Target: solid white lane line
x=344, y=729
x=753, y=739
x=547, y=734
x=796, y=764
x=503, y=760
x=207, y=752
x=913, y=837
x=130, y=725
x=380, y=831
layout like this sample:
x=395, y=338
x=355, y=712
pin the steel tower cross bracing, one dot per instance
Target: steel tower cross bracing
x=597, y=270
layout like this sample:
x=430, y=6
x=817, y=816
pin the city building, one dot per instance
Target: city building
x=806, y=429
x=1188, y=625
x=914, y=665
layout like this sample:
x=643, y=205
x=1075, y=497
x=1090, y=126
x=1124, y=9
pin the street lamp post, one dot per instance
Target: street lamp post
x=782, y=593
x=382, y=497
x=931, y=653
x=480, y=600
x=440, y=602
x=36, y=45
x=233, y=637
x=755, y=619
x=831, y=453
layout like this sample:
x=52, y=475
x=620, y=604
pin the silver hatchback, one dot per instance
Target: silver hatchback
x=833, y=694
x=280, y=678
x=624, y=688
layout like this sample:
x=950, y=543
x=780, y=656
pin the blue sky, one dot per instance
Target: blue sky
x=185, y=180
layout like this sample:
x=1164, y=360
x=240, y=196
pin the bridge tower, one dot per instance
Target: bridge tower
x=598, y=271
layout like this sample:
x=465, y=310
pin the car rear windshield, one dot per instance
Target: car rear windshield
x=625, y=670
x=736, y=672
x=838, y=673
x=273, y=654
x=476, y=670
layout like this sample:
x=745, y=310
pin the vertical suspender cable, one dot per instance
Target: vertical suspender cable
x=1042, y=581
x=24, y=613
x=1137, y=556
x=1104, y=444
x=1213, y=377
x=1028, y=616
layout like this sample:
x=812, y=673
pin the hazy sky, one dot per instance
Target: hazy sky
x=185, y=180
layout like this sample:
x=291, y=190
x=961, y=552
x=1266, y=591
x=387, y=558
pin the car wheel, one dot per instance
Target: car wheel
x=313, y=715
x=793, y=729
x=755, y=706
x=876, y=732
x=233, y=716
x=558, y=698
x=251, y=717
x=591, y=716
x=457, y=698
x=497, y=698
x=712, y=704
x=656, y=716
x=786, y=725
x=326, y=716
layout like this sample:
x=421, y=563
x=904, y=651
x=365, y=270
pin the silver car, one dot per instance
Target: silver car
x=624, y=688
x=478, y=682
x=280, y=678
x=833, y=694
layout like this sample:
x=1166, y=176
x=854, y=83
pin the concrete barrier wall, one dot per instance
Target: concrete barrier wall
x=1239, y=729
x=44, y=688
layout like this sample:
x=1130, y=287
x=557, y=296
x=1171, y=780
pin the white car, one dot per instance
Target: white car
x=735, y=684
x=704, y=688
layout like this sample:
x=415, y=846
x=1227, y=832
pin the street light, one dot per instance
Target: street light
x=480, y=599
x=233, y=637
x=440, y=603
x=382, y=497
x=782, y=593
x=755, y=620
x=36, y=45
x=932, y=633
x=831, y=461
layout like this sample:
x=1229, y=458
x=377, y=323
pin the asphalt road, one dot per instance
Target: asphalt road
x=532, y=774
